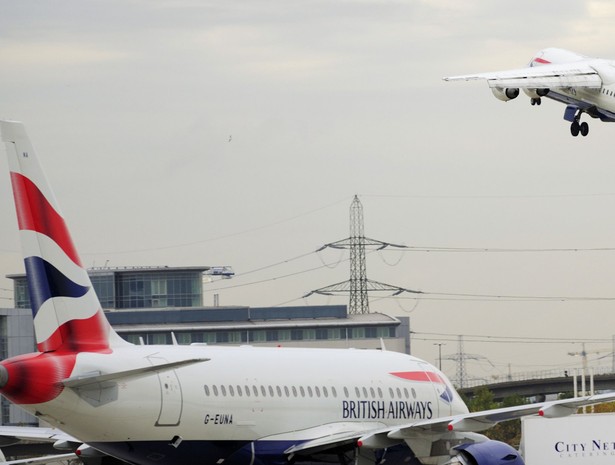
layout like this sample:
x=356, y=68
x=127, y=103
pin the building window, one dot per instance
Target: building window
x=258, y=336
x=357, y=333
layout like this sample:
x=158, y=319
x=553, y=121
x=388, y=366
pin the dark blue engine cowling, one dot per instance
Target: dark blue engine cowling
x=487, y=453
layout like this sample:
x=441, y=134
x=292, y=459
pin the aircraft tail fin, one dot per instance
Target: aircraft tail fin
x=66, y=310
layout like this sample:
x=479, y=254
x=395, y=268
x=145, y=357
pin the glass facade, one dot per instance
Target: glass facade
x=158, y=290
x=137, y=288
x=259, y=335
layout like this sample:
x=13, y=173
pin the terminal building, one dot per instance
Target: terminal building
x=164, y=305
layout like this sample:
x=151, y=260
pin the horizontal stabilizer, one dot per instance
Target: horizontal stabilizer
x=75, y=382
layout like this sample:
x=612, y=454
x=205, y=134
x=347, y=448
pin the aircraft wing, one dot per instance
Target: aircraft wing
x=575, y=74
x=14, y=434
x=41, y=460
x=460, y=425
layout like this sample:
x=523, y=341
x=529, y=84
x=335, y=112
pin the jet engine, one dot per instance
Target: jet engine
x=536, y=93
x=505, y=94
x=485, y=453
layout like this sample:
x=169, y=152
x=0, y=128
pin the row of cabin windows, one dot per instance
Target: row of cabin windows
x=608, y=92
x=301, y=391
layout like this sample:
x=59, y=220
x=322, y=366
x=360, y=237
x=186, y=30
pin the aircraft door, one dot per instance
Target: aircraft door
x=171, y=396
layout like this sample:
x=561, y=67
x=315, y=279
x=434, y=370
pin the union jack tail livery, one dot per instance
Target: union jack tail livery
x=66, y=310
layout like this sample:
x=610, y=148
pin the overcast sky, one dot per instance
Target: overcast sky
x=131, y=105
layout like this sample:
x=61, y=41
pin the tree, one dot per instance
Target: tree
x=506, y=431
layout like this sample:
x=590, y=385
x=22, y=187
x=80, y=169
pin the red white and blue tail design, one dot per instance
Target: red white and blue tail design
x=66, y=310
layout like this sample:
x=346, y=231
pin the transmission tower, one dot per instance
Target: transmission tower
x=461, y=376
x=358, y=286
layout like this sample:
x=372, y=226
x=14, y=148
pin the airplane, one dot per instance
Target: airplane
x=586, y=85
x=219, y=405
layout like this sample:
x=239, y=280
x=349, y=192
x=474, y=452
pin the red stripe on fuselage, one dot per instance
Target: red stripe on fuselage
x=542, y=61
x=35, y=213
x=419, y=376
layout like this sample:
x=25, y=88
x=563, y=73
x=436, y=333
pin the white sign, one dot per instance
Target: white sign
x=577, y=439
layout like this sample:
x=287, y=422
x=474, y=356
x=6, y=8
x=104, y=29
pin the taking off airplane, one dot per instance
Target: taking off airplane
x=584, y=84
x=211, y=405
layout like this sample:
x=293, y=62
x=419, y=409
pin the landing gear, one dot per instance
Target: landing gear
x=576, y=128
x=536, y=101
x=573, y=114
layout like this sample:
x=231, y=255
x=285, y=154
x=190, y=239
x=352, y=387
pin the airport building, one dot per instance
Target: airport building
x=164, y=305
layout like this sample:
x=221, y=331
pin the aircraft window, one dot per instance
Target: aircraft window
x=380, y=393
x=231, y=391
x=391, y=393
x=398, y=393
x=247, y=391
x=413, y=393
x=372, y=392
x=263, y=391
x=294, y=391
x=309, y=390
x=271, y=391
x=325, y=392
x=345, y=392
x=206, y=387
x=223, y=390
x=215, y=389
x=277, y=388
x=286, y=391
x=365, y=393
x=239, y=391
x=317, y=390
x=333, y=391
x=255, y=391
x=406, y=393
x=302, y=391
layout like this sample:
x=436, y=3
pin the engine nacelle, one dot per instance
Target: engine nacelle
x=505, y=94
x=486, y=453
x=536, y=93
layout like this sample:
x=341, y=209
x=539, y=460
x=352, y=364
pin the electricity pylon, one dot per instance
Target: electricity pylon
x=358, y=286
x=461, y=376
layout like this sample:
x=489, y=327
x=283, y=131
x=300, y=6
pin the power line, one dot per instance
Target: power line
x=512, y=339
x=504, y=250
x=225, y=236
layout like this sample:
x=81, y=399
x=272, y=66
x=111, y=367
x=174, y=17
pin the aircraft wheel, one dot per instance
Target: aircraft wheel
x=584, y=128
x=535, y=101
x=575, y=127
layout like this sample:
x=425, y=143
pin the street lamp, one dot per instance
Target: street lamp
x=439, y=344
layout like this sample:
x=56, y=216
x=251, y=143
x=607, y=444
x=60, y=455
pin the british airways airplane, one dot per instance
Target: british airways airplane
x=207, y=405
x=584, y=84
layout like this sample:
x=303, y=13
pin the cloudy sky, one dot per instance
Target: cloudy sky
x=131, y=105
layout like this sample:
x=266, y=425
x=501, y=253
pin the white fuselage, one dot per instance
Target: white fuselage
x=247, y=394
